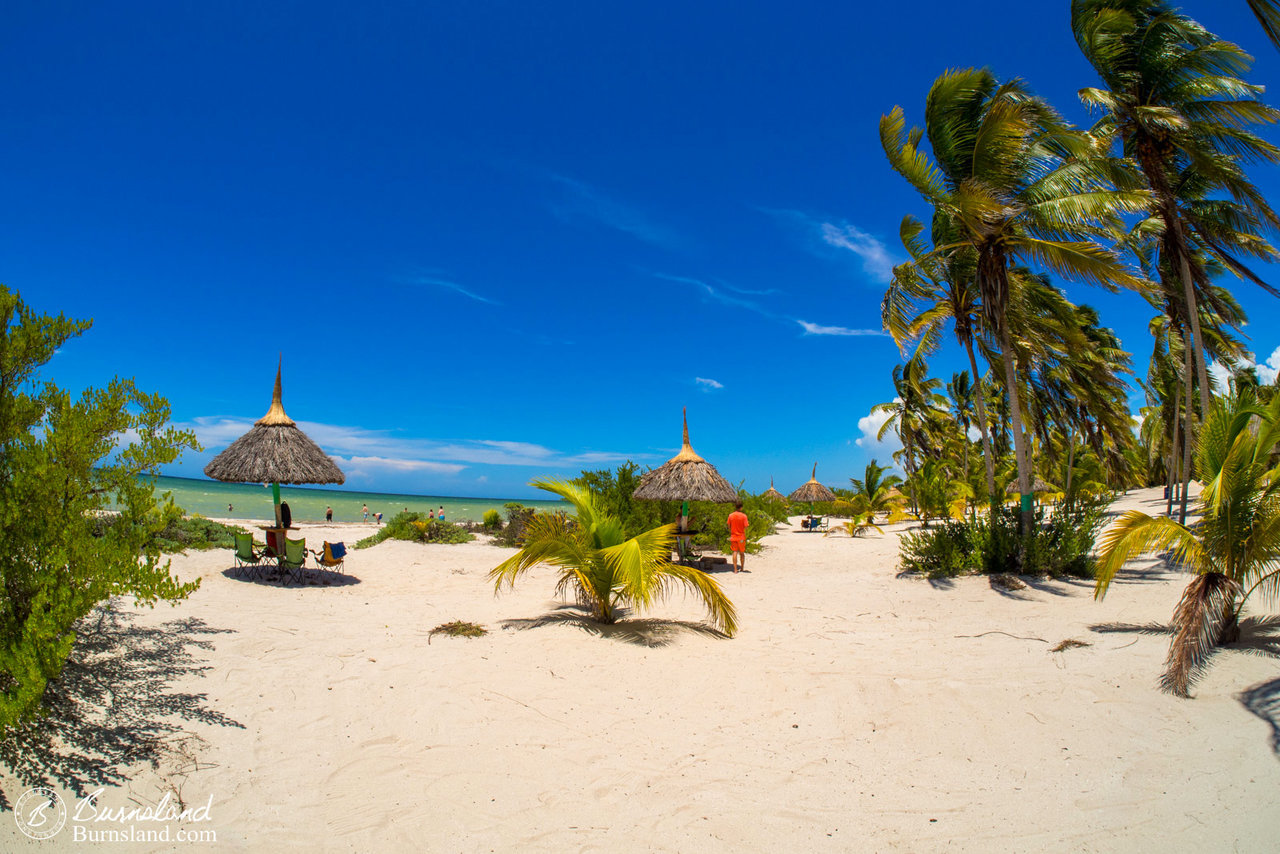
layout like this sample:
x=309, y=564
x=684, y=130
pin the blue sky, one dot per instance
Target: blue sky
x=495, y=241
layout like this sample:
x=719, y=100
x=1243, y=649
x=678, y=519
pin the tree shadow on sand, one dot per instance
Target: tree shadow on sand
x=279, y=578
x=1263, y=700
x=1258, y=636
x=646, y=631
x=113, y=709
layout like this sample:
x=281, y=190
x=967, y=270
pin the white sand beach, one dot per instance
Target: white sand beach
x=855, y=711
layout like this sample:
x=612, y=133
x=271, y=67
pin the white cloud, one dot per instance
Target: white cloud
x=881, y=449
x=1220, y=376
x=815, y=329
x=1270, y=369
x=707, y=385
x=452, y=286
x=1267, y=371
x=385, y=450
x=876, y=260
x=362, y=465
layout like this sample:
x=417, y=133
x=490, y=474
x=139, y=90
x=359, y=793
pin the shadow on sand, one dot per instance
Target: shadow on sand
x=273, y=577
x=640, y=632
x=113, y=708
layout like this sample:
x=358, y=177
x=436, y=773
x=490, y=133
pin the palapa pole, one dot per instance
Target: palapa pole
x=276, y=415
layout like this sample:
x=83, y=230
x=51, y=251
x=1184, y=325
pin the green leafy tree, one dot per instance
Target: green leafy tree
x=63, y=463
x=604, y=568
x=1234, y=550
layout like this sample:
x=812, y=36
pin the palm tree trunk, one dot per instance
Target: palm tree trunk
x=1186, y=436
x=988, y=455
x=1071, y=461
x=1173, y=478
x=1193, y=317
x=1015, y=424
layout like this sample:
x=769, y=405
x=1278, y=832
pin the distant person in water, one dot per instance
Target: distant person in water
x=377, y=518
x=738, y=523
x=365, y=510
x=328, y=514
x=229, y=508
x=440, y=515
x=432, y=515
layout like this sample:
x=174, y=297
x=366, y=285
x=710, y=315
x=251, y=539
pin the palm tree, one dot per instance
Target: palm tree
x=873, y=492
x=913, y=411
x=606, y=570
x=1177, y=102
x=1234, y=551
x=1012, y=180
x=923, y=296
x=1268, y=15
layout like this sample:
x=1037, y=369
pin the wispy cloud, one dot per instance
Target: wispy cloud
x=452, y=286
x=385, y=451
x=876, y=260
x=717, y=294
x=581, y=200
x=707, y=384
x=815, y=329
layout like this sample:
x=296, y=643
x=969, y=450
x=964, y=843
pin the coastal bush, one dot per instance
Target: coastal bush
x=62, y=463
x=1060, y=545
x=518, y=517
x=418, y=528
x=492, y=519
x=195, y=532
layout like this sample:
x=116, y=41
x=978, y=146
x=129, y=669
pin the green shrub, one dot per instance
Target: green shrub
x=1060, y=546
x=195, y=532
x=518, y=517
x=492, y=519
x=418, y=528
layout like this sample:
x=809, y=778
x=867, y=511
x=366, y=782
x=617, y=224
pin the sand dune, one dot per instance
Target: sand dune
x=855, y=711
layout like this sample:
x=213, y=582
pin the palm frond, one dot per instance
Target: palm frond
x=1197, y=623
x=1135, y=533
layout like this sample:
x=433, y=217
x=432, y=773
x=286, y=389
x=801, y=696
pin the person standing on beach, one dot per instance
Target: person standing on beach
x=365, y=510
x=328, y=514
x=440, y=515
x=738, y=523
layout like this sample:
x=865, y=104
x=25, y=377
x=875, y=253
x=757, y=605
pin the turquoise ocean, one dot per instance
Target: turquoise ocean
x=307, y=504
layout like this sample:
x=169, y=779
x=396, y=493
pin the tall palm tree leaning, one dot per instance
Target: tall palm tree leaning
x=1177, y=102
x=604, y=568
x=922, y=296
x=1012, y=180
x=1234, y=550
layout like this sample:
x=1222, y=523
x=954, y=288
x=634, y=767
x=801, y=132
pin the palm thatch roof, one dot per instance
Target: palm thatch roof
x=274, y=451
x=1038, y=485
x=685, y=477
x=772, y=494
x=813, y=491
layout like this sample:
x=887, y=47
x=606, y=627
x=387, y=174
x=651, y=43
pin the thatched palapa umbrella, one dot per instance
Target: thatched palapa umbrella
x=685, y=477
x=772, y=494
x=274, y=451
x=812, y=491
x=1038, y=485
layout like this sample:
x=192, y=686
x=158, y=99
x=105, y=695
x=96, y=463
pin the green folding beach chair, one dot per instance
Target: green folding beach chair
x=246, y=556
x=295, y=555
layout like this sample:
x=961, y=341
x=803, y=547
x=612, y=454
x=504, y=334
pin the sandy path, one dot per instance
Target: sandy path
x=855, y=711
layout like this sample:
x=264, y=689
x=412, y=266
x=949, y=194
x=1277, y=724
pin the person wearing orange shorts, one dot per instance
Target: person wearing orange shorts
x=738, y=523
